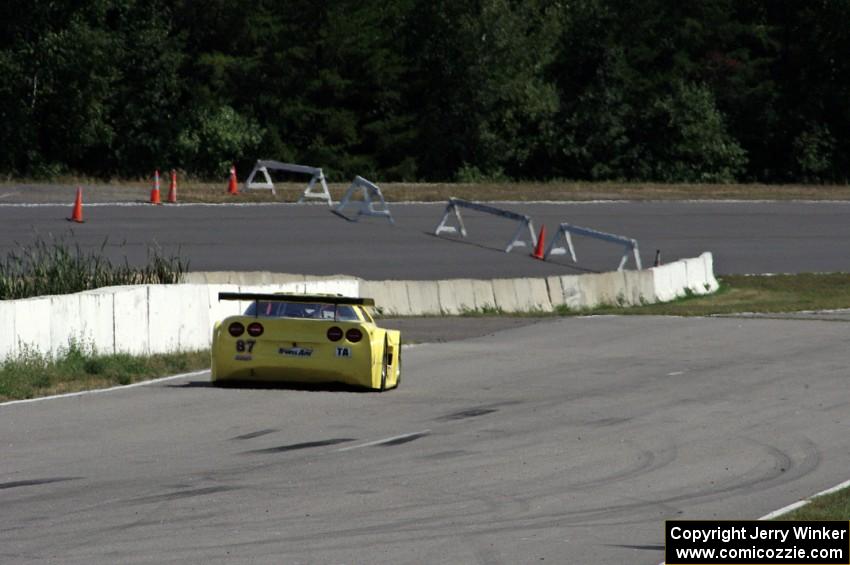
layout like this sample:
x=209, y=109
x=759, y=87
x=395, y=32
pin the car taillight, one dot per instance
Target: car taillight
x=235, y=329
x=353, y=335
x=334, y=333
x=255, y=329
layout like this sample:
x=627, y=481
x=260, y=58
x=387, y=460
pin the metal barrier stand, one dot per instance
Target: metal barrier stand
x=308, y=194
x=367, y=205
x=565, y=229
x=454, y=206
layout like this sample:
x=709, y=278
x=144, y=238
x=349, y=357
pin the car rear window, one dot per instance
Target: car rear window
x=303, y=310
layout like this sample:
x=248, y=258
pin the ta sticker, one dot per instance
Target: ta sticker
x=343, y=352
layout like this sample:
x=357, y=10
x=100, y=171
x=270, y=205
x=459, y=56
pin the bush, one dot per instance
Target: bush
x=473, y=175
x=814, y=151
x=215, y=138
x=694, y=145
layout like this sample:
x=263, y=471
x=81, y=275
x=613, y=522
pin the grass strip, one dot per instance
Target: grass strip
x=192, y=190
x=764, y=294
x=832, y=506
x=31, y=374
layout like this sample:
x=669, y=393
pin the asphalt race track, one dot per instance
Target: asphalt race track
x=565, y=441
x=770, y=237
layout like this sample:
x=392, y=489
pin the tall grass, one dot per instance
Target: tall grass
x=56, y=266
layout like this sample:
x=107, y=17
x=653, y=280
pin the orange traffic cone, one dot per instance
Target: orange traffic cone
x=538, y=251
x=155, y=191
x=172, y=188
x=232, y=187
x=77, y=214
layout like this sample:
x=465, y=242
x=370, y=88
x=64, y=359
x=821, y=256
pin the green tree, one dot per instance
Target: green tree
x=479, y=84
x=214, y=137
x=634, y=103
x=812, y=74
x=697, y=147
x=65, y=63
x=145, y=104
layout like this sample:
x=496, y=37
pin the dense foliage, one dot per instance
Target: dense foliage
x=663, y=90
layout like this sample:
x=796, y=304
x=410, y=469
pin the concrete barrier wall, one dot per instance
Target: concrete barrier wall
x=485, y=298
x=670, y=281
x=708, y=259
x=8, y=334
x=424, y=297
x=32, y=323
x=180, y=317
x=130, y=320
x=65, y=320
x=697, y=280
x=255, y=278
x=640, y=287
x=97, y=319
x=390, y=295
x=456, y=296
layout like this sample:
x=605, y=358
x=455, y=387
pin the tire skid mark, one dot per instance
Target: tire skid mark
x=469, y=413
x=433, y=528
x=783, y=469
x=605, y=422
x=36, y=482
x=451, y=454
x=475, y=411
x=181, y=494
x=405, y=439
x=646, y=462
x=497, y=502
x=638, y=547
x=258, y=433
x=301, y=445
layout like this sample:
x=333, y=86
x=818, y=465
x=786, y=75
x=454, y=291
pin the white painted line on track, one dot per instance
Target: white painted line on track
x=386, y=440
x=102, y=390
x=804, y=502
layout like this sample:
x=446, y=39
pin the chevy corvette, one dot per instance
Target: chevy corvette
x=305, y=339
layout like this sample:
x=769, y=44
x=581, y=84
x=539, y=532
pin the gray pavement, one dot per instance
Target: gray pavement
x=564, y=441
x=773, y=237
x=441, y=329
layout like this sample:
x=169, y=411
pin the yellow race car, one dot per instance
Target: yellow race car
x=300, y=338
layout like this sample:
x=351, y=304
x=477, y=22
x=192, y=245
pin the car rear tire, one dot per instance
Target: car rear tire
x=384, y=364
x=398, y=365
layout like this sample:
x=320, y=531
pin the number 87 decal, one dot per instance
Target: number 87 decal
x=245, y=345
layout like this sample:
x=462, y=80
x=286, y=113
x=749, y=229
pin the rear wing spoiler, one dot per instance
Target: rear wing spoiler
x=308, y=298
